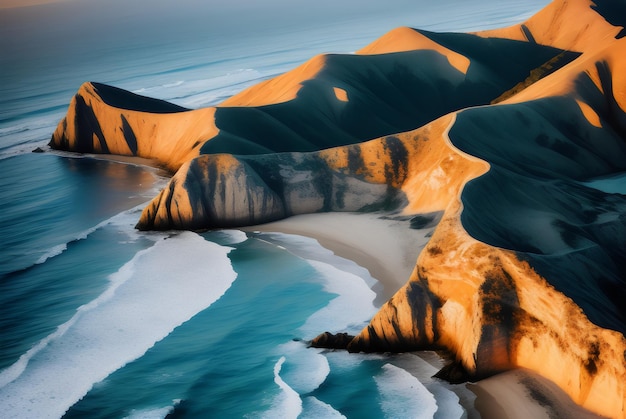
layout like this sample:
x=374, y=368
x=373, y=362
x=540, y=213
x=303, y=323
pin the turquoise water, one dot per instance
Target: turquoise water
x=99, y=320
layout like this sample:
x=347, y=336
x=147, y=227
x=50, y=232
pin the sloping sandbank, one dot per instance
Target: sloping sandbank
x=387, y=247
x=522, y=394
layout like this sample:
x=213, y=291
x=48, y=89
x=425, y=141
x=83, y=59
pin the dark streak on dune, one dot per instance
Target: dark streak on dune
x=500, y=306
x=87, y=125
x=528, y=34
x=129, y=136
x=614, y=115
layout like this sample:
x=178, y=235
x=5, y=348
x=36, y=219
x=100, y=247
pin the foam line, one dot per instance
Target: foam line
x=158, y=290
x=158, y=413
x=232, y=237
x=288, y=404
x=315, y=409
x=352, y=291
x=124, y=219
x=310, y=249
x=403, y=395
x=54, y=251
x=308, y=368
x=448, y=402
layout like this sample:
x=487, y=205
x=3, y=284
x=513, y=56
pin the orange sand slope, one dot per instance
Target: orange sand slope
x=518, y=135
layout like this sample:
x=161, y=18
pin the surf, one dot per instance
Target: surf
x=159, y=289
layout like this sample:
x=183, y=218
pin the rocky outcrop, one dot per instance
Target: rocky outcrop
x=510, y=133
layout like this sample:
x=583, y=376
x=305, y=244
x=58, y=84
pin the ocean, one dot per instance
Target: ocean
x=99, y=320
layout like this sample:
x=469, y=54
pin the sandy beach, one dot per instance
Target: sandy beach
x=388, y=247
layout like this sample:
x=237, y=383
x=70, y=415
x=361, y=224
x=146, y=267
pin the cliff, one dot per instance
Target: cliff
x=515, y=134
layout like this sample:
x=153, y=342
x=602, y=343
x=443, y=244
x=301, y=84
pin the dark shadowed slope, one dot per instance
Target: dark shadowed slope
x=534, y=200
x=384, y=94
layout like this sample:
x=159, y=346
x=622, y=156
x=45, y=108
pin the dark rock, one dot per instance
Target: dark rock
x=330, y=341
x=38, y=150
x=454, y=373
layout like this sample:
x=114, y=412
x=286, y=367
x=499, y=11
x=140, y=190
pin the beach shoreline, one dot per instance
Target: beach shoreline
x=388, y=248
x=384, y=245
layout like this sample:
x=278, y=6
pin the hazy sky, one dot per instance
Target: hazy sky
x=68, y=22
x=92, y=33
x=7, y=4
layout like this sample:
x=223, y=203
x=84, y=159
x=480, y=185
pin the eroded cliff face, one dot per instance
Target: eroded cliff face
x=510, y=133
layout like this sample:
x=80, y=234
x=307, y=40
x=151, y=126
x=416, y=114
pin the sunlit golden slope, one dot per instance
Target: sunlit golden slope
x=572, y=25
x=104, y=119
x=509, y=132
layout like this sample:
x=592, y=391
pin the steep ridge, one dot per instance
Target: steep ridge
x=510, y=138
x=105, y=119
x=339, y=100
x=578, y=25
x=385, y=94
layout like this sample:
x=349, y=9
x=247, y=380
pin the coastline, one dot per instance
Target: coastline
x=388, y=248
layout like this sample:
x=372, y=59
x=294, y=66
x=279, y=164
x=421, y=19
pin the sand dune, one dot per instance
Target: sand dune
x=105, y=119
x=504, y=132
x=580, y=25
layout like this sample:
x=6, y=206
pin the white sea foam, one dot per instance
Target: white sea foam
x=159, y=289
x=288, y=403
x=315, y=409
x=230, y=237
x=350, y=282
x=22, y=148
x=54, y=251
x=201, y=92
x=308, y=367
x=310, y=249
x=403, y=395
x=159, y=413
x=349, y=311
x=26, y=134
x=448, y=401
